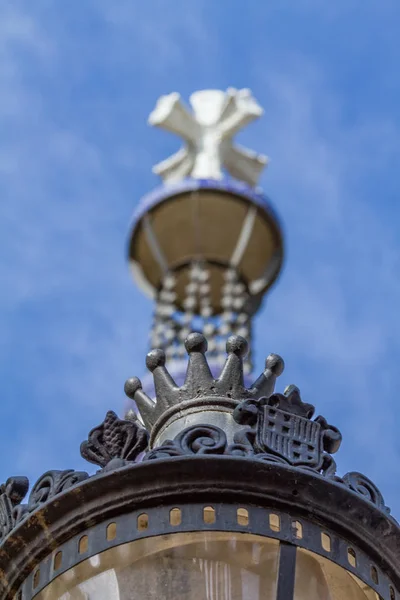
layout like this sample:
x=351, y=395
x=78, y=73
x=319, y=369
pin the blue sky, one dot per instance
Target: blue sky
x=78, y=80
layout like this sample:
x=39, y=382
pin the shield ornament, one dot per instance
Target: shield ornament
x=294, y=438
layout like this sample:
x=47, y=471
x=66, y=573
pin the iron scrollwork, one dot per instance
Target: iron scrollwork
x=52, y=483
x=198, y=439
x=360, y=484
x=11, y=510
x=278, y=429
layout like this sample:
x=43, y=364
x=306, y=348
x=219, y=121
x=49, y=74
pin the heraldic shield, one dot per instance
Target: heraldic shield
x=282, y=428
x=290, y=436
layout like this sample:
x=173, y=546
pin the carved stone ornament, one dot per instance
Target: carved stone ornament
x=114, y=442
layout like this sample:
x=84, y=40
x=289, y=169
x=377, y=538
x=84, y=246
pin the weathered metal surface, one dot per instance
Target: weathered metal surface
x=182, y=481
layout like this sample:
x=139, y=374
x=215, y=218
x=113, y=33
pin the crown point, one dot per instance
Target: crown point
x=154, y=359
x=196, y=342
x=290, y=389
x=275, y=363
x=132, y=385
x=236, y=344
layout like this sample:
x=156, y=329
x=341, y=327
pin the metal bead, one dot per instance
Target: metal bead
x=238, y=303
x=191, y=288
x=206, y=311
x=204, y=289
x=189, y=302
x=230, y=275
x=169, y=282
x=226, y=301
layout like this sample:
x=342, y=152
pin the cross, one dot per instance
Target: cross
x=208, y=132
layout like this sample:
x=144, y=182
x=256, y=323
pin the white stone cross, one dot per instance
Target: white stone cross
x=217, y=117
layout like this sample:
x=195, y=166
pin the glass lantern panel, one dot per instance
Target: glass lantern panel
x=208, y=565
x=318, y=578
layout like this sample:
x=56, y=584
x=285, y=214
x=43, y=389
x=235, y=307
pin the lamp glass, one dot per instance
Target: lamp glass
x=318, y=578
x=208, y=565
x=203, y=565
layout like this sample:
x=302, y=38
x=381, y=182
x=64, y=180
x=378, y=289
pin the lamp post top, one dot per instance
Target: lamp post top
x=210, y=457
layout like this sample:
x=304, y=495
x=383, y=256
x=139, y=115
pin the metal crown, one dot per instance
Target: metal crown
x=200, y=387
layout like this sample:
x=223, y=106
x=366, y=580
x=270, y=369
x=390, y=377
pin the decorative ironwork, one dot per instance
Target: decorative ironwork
x=11, y=510
x=206, y=439
x=199, y=381
x=365, y=487
x=52, y=483
x=203, y=439
x=114, y=442
x=281, y=426
x=279, y=449
x=302, y=445
x=225, y=515
x=169, y=449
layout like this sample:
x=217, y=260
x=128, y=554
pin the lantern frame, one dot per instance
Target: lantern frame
x=225, y=483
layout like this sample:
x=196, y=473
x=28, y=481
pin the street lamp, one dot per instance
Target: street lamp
x=216, y=489
x=250, y=510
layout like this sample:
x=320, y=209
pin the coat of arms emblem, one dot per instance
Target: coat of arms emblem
x=283, y=429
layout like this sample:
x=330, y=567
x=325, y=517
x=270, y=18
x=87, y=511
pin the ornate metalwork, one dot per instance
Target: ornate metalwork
x=52, y=483
x=225, y=514
x=114, y=442
x=11, y=511
x=301, y=446
x=275, y=428
x=363, y=486
x=281, y=426
x=199, y=383
x=203, y=439
x=275, y=449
